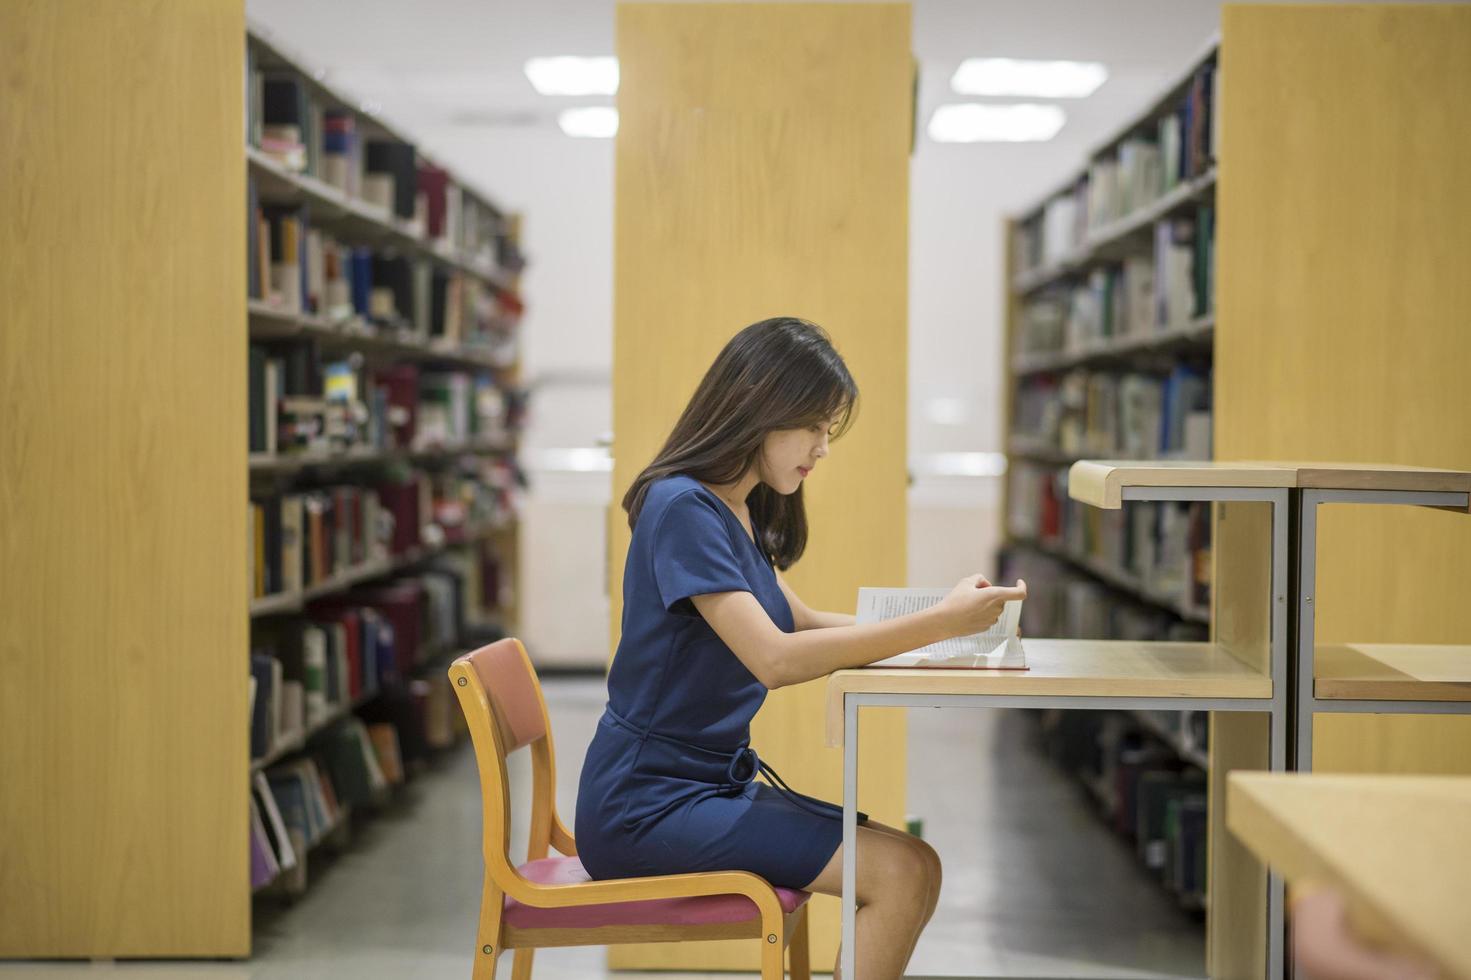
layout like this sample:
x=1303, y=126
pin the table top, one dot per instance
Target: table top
x=1101, y=482
x=1070, y=668
x=1393, y=672
x=1396, y=847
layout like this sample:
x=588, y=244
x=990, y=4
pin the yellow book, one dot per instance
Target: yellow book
x=258, y=532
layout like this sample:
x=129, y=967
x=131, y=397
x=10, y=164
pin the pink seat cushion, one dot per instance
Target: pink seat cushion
x=705, y=910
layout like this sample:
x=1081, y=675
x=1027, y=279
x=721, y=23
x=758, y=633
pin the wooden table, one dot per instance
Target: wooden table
x=1102, y=483
x=1396, y=847
x=1090, y=674
x=1393, y=672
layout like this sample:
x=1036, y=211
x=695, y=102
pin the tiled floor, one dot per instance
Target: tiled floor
x=1035, y=886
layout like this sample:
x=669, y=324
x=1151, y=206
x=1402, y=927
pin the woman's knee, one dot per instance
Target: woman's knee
x=893, y=869
x=931, y=859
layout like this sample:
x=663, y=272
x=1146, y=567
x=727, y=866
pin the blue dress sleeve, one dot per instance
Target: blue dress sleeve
x=693, y=553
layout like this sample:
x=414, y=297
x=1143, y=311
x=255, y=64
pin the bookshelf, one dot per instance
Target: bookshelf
x=825, y=237
x=1357, y=372
x=122, y=691
x=1110, y=333
x=383, y=316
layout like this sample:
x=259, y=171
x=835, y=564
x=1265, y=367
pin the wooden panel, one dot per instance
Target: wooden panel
x=1241, y=558
x=1391, y=743
x=1380, y=476
x=1394, y=846
x=1393, y=672
x=1342, y=300
x=1069, y=668
x=122, y=495
x=1236, y=921
x=1101, y=482
x=762, y=169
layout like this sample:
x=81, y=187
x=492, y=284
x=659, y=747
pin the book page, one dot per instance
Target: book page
x=996, y=647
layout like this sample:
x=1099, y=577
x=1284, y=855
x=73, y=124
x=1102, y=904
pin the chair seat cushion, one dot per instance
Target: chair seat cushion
x=702, y=910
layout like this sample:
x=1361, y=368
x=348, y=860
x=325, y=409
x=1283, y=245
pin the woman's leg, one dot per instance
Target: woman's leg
x=898, y=885
x=926, y=853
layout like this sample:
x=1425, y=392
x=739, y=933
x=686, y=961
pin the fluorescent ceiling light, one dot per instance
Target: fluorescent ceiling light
x=598, y=121
x=573, y=76
x=970, y=122
x=1038, y=79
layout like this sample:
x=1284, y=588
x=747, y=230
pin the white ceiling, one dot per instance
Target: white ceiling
x=437, y=66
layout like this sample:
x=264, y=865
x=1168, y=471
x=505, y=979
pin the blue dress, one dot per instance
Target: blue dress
x=668, y=783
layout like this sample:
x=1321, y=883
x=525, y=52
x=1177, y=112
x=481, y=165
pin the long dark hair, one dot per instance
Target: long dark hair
x=781, y=373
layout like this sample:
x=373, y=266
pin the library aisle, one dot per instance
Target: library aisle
x=1036, y=884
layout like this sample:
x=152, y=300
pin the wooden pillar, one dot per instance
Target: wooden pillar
x=763, y=169
x=123, y=614
x=1342, y=315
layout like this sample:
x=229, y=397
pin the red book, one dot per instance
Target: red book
x=403, y=605
x=432, y=184
x=402, y=501
x=401, y=386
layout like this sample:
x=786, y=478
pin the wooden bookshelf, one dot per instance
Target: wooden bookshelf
x=1046, y=357
x=271, y=322
x=1119, y=349
x=286, y=463
x=1198, y=333
x=288, y=602
x=296, y=741
x=1174, y=735
x=123, y=732
x=1121, y=579
x=332, y=208
x=1111, y=241
x=824, y=237
x=1342, y=317
x=468, y=249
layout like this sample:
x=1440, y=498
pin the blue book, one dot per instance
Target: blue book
x=362, y=280
x=387, y=653
x=291, y=801
x=260, y=718
x=307, y=303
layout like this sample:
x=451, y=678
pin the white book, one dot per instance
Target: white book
x=287, y=856
x=998, y=648
x=273, y=404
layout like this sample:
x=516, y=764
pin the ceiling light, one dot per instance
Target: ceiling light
x=1016, y=123
x=1038, y=79
x=573, y=76
x=598, y=121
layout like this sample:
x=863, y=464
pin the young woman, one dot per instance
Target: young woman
x=709, y=626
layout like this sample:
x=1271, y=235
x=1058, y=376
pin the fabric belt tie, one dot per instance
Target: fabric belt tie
x=743, y=766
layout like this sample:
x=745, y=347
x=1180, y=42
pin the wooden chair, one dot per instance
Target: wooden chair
x=551, y=901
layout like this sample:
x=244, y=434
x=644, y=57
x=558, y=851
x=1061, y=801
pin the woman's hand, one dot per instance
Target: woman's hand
x=975, y=605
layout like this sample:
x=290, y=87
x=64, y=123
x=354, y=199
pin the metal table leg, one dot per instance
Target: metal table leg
x=850, y=835
x=1278, y=722
x=1307, y=703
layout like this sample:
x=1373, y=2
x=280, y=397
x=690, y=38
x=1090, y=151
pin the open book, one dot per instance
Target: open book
x=998, y=648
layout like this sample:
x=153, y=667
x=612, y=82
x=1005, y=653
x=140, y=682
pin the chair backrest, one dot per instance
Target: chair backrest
x=508, y=677
x=503, y=705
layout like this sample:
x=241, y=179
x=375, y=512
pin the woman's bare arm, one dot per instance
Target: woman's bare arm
x=778, y=659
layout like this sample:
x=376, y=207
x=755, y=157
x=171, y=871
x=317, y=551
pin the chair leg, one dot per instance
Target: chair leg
x=488, y=933
x=521, y=964
x=800, y=951
x=773, y=950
